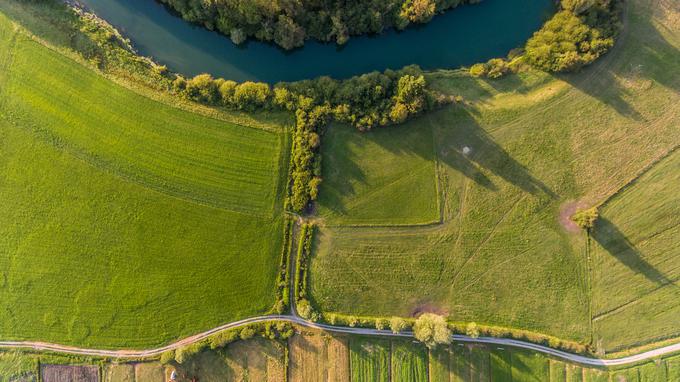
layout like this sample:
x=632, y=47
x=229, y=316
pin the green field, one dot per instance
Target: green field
x=369, y=360
x=635, y=251
x=408, y=362
x=537, y=145
x=381, y=177
x=126, y=222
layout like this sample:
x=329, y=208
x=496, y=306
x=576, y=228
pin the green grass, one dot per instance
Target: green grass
x=126, y=222
x=440, y=358
x=537, y=143
x=382, y=177
x=501, y=365
x=409, y=362
x=15, y=365
x=635, y=251
x=528, y=367
x=369, y=360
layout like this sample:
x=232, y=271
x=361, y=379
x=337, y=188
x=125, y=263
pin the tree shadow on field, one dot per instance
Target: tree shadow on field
x=609, y=237
x=472, y=151
x=641, y=57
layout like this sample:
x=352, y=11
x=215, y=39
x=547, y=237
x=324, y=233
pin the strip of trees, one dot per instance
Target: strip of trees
x=290, y=23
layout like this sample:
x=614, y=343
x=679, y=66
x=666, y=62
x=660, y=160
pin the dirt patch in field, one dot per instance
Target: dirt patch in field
x=66, y=373
x=427, y=307
x=566, y=211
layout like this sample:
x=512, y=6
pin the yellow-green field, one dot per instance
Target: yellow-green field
x=125, y=222
x=512, y=162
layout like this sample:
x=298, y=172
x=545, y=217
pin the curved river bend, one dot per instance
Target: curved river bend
x=463, y=36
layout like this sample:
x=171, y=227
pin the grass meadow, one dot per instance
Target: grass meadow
x=635, y=250
x=510, y=161
x=125, y=222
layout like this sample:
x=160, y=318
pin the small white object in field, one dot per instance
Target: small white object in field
x=466, y=150
x=173, y=375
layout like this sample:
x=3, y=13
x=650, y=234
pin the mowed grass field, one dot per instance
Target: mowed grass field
x=635, y=250
x=380, y=177
x=125, y=222
x=536, y=145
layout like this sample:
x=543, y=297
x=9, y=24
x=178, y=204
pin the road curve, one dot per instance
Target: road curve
x=44, y=346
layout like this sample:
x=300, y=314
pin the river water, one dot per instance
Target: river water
x=462, y=36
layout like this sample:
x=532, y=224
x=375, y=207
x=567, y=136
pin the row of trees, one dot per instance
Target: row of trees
x=367, y=101
x=290, y=23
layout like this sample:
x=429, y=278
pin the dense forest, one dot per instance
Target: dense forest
x=289, y=23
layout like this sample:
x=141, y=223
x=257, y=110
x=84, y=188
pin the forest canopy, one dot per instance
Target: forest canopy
x=290, y=23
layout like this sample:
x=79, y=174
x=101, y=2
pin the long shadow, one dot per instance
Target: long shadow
x=617, y=244
x=473, y=151
x=642, y=54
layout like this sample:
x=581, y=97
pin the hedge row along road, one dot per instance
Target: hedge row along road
x=43, y=346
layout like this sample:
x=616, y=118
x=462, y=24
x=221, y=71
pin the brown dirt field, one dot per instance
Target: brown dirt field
x=66, y=373
x=255, y=360
x=149, y=372
x=120, y=373
x=318, y=357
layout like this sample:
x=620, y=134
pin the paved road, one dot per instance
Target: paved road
x=43, y=346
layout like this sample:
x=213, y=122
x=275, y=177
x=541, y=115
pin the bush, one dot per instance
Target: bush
x=398, y=325
x=251, y=95
x=432, y=330
x=586, y=218
x=380, y=323
x=479, y=70
x=223, y=339
x=471, y=330
x=167, y=357
x=247, y=333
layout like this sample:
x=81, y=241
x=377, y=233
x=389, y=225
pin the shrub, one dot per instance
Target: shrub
x=247, y=333
x=167, y=357
x=251, y=95
x=432, y=330
x=498, y=67
x=202, y=88
x=479, y=70
x=472, y=330
x=223, y=339
x=380, y=323
x=397, y=324
x=352, y=321
x=586, y=218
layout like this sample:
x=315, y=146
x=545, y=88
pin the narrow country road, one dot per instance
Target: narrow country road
x=43, y=346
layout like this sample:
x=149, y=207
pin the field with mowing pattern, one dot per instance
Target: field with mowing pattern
x=511, y=162
x=126, y=222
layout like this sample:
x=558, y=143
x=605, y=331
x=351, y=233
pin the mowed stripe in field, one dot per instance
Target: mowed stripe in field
x=182, y=154
x=126, y=223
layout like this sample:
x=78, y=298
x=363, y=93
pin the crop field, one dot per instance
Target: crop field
x=126, y=222
x=409, y=362
x=382, y=177
x=635, y=250
x=369, y=360
x=315, y=357
x=511, y=163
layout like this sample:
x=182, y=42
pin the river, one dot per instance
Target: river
x=462, y=36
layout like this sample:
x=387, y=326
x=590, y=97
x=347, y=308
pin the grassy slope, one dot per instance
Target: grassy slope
x=122, y=218
x=538, y=142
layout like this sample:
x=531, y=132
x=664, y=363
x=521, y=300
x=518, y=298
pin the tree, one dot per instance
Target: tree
x=238, y=36
x=586, y=218
x=397, y=324
x=202, y=88
x=251, y=95
x=432, y=330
